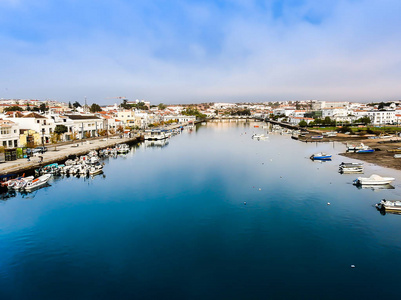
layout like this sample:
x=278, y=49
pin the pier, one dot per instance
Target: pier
x=58, y=153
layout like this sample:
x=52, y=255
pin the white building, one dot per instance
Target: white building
x=382, y=117
x=9, y=134
x=85, y=125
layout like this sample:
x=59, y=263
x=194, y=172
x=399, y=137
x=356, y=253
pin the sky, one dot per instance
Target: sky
x=188, y=51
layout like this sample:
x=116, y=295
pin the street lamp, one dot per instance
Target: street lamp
x=43, y=138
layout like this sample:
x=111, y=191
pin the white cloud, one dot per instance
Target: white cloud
x=352, y=54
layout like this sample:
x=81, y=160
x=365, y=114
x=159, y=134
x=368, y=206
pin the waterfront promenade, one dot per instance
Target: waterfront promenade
x=58, y=153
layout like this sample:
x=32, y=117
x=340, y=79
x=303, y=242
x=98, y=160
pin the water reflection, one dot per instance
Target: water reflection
x=375, y=187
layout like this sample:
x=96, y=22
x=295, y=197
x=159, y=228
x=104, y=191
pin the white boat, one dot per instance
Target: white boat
x=355, y=147
x=155, y=134
x=391, y=205
x=259, y=136
x=122, y=148
x=397, y=155
x=373, y=180
x=38, y=182
x=95, y=170
x=351, y=170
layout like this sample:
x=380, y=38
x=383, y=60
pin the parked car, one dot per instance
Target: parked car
x=32, y=151
x=40, y=149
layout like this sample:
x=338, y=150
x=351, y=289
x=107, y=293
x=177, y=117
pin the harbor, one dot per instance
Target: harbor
x=160, y=215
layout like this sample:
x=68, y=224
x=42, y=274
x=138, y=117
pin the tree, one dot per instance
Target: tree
x=303, y=123
x=13, y=108
x=60, y=129
x=161, y=106
x=95, y=108
x=43, y=107
x=69, y=104
x=28, y=108
x=364, y=120
x=76, y=104
x=125, y=105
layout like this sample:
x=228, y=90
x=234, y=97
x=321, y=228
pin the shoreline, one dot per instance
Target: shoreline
x=381, y=156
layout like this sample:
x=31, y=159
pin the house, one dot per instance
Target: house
x=9, y=134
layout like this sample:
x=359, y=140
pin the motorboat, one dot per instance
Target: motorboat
x=38, y=182
x=122, y=148
x=320, y=156
x=373, y=180
x=391, y=205
x=259, y=136
x=316, y=137
x=354, y=147
x=155, y=134
x=351, y=170
x=365, y=149
x=351, y=164
x=347, y=168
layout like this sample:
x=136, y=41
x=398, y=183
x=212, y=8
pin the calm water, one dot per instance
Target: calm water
x=170, y=223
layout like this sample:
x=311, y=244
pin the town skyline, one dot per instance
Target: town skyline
x=194, y=52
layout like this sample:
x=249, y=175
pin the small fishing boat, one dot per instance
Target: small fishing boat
x=316, y=137
x=391, y=205
x=122, y=148
x=365, y=149
x=259, y=136
x=397, y=155
x=320, y=156
x=351, y=164
x=38, y=182
x=373, y=180
x=354, y=147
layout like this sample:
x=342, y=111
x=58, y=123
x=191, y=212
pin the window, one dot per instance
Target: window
x=15, y=143
x=4, y=144
x=10, y=143
x=38, y=121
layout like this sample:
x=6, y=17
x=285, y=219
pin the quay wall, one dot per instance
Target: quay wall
x=61, y=153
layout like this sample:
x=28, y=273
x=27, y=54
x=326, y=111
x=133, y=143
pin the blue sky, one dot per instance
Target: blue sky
x=175, y=51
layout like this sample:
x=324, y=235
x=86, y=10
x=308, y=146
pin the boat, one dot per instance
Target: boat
x=364, y=149
x=391, y=205
x=316, y=137
x=397, y=155
x=349, y=170
x=354, y=147
x=37, y=183
x=351, y=164
x=122, y=148
x=259, y=136
x=155, y=134
x=320, y=156
x=373, y=180
x=95, y=170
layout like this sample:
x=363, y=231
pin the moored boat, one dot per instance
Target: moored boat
x=37, y=183
x=320, y=156
x=374, y=179
x=391, y=205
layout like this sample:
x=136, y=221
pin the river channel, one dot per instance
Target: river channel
x=210, y=214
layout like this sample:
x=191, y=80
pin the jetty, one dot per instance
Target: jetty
x=58, y=153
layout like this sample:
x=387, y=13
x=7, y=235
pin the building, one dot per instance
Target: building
x=9, y=134
x=85, y=125
x=382, y=117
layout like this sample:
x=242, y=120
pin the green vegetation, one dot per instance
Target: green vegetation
x=13, y=108
x=95, y=108
x=190, y=111
x=241, y=112
x=161, y=106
